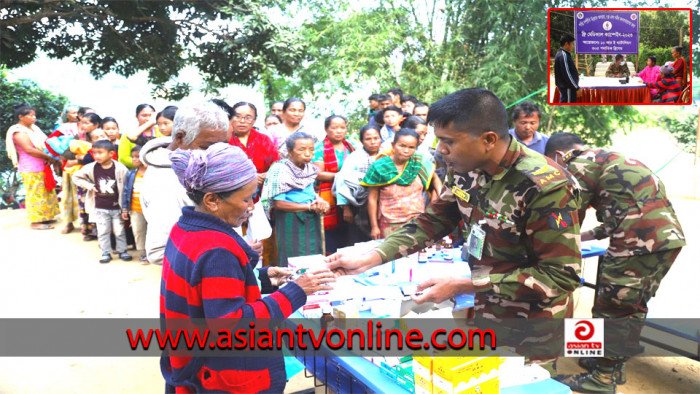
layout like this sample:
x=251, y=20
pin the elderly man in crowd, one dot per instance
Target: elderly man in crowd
x=526, y=121
x=162, y=196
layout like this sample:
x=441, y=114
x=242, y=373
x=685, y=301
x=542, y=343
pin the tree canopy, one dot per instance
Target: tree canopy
x=316, y=49
x=159, y=37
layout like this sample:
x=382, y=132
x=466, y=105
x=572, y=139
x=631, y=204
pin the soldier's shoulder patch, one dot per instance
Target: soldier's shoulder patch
x=545, y=174
x=559, y=220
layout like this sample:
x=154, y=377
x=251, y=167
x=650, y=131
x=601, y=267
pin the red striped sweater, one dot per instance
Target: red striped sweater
x=669, y=89
x=207, y=275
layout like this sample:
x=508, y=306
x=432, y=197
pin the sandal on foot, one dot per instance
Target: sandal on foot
x=69, y=228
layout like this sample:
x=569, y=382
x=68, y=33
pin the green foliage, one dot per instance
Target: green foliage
x=683, y=127
x=595, y=124
x=48, y=107
x=229, y=41
x=663, y=55
x=429, y=51
x=659, y=29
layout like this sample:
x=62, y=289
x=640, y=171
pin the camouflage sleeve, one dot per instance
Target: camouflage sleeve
x=553, y=233
x=609, y=216
x=599, y=232
x=439, y=219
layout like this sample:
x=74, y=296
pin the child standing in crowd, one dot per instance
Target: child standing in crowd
x=164, y=120
x=103, y=179
x=111, y=128
x=131, y=202
x=88, y=127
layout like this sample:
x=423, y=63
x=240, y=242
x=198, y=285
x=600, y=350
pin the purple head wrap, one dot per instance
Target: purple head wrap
x=220, y=168
x=666, y=69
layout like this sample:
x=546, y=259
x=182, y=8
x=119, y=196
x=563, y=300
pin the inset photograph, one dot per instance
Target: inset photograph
x=619, y=56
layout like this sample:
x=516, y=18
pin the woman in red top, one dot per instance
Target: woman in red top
x=679, y=66
x=256, y=145
x=329, y=156
x=261, y=151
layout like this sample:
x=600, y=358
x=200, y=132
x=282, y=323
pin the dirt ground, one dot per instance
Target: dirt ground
x=47, y=274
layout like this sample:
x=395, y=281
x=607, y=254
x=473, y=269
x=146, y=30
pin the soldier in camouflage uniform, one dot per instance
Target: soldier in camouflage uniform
x=645, y=239
x=525, y=204
x=617, y=69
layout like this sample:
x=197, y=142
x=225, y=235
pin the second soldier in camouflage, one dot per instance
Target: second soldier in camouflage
x=645, y=239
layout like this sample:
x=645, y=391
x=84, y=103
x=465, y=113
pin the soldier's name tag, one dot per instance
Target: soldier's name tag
x=461, y=194
x=475, y=241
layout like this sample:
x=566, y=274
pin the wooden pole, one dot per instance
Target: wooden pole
x=680, y=40
x=697, y=140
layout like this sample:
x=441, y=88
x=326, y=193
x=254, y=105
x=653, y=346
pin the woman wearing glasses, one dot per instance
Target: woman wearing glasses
x=261, y=151
x=256, y=145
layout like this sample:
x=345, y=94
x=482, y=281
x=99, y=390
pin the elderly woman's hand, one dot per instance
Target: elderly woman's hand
x=320, y=206
x=256, y=245
x=279, y=275
x=313, y=281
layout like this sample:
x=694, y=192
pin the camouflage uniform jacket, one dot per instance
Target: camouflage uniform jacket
x=531, y=262
x=630, y=202
x=614, y=69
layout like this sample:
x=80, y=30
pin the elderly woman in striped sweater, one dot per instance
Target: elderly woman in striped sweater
x=208, y=273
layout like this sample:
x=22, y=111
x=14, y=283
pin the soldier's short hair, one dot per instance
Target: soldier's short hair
x=561, y=141
x=473, y=110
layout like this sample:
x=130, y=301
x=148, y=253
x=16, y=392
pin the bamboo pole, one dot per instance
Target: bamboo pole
x=697, y=139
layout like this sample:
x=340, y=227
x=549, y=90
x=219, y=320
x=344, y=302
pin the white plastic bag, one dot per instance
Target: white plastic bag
x=258, y=226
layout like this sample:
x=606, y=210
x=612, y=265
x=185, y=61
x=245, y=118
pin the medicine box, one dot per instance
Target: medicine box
x=452, y=375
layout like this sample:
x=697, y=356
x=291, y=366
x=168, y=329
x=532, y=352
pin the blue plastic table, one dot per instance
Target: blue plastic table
x=342, y=372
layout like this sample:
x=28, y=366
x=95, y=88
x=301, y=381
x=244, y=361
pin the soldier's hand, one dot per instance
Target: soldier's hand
x=438, y=290
x=587, y=236
x=351, y=265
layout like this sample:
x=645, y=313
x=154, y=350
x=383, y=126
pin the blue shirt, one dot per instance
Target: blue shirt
x=539, y=141
x=298, y=196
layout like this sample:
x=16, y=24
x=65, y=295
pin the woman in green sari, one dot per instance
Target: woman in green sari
x=396, y=184
x=289, y=198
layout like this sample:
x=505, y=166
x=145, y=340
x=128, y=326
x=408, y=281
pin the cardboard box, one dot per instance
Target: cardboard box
x=422, y=372
x=452, y=375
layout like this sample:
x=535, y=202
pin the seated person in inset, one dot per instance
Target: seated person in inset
x=679, y=66
x=651, y=73
x=618, y=69
x=669, y=87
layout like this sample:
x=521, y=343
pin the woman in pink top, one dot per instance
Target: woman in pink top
x=25, y=147
x=651, y=73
